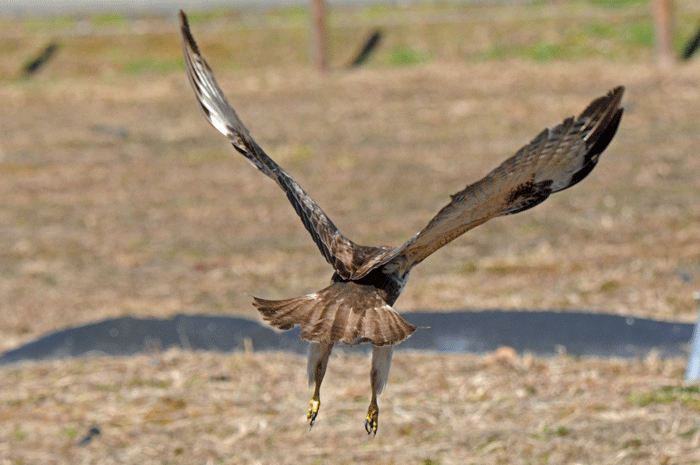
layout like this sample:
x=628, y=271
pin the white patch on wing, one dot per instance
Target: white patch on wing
x=219, y=124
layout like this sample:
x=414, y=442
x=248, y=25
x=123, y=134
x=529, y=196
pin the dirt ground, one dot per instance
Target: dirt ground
x=118, y=199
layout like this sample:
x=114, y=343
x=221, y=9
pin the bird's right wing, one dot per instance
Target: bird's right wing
x=337, y=249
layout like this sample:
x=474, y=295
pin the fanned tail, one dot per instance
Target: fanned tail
x=343, y=312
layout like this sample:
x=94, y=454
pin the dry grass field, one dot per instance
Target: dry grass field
x=447, y=409
x=118, y=199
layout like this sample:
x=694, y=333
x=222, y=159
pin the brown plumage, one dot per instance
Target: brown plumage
x=343, y=312
x=366, y=282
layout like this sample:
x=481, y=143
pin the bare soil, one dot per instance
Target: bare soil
x=118, y=199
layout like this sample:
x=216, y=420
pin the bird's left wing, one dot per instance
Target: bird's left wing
x=337, y=249
x=553, y=161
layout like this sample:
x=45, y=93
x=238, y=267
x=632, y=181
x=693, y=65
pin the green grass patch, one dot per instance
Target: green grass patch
x=153, y=65
x=639, y=34
x=598, y=30
x=109, y=20
x=43, y=25
x=685, y=395
x=196, y=17
x=378, y=11
x=405, y=55
x=616, y=3
x=546, y=51
x=297, y=15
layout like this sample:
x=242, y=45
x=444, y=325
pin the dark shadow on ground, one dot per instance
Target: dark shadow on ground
x=538, y=333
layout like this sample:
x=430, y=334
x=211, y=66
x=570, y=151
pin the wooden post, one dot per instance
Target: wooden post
x=663, y=25
x=318, y=34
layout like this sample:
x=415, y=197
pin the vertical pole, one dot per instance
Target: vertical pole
x=692, y=371
x=663, y=26
x=318, y=34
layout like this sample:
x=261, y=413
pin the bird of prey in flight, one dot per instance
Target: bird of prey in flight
x=357, y=305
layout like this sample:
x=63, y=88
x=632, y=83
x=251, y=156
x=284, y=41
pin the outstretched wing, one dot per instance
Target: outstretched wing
x=556, y=159
x=337, y=249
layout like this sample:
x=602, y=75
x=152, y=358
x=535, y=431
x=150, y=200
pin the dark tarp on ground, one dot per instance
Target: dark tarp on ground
x=539, y=333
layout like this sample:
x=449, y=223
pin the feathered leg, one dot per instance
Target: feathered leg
x=316, y=367
x=378, y=375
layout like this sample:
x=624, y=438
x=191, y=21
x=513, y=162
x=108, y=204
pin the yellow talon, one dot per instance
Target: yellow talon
x=372, y=421
x=313, y=410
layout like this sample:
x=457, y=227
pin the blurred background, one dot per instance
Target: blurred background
x=118, y=199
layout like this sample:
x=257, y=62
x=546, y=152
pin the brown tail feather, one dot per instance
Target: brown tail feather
x=344, y=312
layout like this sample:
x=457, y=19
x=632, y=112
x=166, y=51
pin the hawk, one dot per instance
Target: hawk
x=357, y=305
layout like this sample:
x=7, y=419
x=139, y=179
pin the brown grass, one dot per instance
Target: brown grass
x=118, y=199
x=443, y=409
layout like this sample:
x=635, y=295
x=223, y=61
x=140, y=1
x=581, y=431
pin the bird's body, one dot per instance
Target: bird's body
x=357, y=306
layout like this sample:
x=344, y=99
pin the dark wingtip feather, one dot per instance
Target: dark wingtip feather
x=611, y=99
x=601, y=143
x=616, y=94
x=607, y=134
x=186, y=33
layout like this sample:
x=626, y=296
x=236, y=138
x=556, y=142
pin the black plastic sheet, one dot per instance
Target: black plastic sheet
x=538, y=333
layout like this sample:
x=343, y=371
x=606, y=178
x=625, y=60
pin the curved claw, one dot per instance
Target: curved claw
x=313, y=411
x=372, y=421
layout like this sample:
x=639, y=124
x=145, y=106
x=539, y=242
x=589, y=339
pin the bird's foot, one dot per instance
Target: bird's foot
x=372, y=420
x=313, y=410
